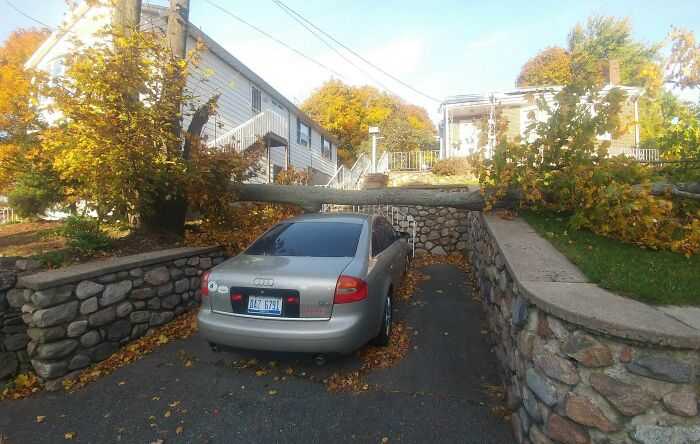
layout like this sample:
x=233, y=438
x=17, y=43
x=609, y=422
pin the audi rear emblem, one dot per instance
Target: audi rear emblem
x=264, y=282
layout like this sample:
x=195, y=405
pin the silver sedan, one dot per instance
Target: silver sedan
x=318, y=283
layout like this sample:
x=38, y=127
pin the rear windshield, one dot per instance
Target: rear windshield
x=314, y=239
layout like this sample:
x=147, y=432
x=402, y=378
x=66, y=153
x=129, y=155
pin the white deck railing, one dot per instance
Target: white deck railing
x=250, y=132
x=349, y=178
x=412, y=160
x=7, y=215
x=635, y=153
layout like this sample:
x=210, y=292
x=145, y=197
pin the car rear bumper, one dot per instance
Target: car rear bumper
x=343, y=333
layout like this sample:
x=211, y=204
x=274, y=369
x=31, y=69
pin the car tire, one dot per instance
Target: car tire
x=387, y=320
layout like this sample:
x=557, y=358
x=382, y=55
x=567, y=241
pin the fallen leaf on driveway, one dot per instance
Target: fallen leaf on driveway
x=272, y=392
x=168, y=414
x=69, y=435
x=40, y=418
x=179, y=429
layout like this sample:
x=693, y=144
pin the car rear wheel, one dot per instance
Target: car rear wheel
x=387, y=319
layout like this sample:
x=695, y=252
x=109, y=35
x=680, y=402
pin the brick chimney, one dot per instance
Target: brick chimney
x=610, y=71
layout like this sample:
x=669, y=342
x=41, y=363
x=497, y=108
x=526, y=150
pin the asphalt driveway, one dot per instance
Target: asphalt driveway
x=183, y=392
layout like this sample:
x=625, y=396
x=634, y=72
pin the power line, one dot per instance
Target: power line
x=358, y=55
x=275, y=39
x=28, y=16
x=292, y=15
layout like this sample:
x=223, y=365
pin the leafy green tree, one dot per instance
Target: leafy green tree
x=607, y=37
x=551, y=66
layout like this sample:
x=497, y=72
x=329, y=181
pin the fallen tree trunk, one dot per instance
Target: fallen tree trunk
x=312, y=198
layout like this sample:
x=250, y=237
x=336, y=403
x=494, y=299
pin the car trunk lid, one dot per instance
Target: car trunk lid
x=305, y=286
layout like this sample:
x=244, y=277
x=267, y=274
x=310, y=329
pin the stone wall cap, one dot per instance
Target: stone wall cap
x=547, y=279
x=76, y=273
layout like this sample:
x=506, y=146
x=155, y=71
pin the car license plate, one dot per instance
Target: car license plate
x=264, y=305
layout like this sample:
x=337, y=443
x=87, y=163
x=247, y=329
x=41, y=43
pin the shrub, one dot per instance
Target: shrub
x=34, y=193
x=453, y=166
x=83, y=235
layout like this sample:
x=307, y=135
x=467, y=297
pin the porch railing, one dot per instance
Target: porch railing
x=412, y=160
x=643, y=154
x=249, y=132
x=7, y=215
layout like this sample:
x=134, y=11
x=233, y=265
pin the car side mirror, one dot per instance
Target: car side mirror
x=405, y=235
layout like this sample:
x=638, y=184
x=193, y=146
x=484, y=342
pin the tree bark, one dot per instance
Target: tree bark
x=311, y=198
x=126, y=16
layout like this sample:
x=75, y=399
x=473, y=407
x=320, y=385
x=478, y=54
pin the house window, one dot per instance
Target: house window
x=303, y=133
x=326, y=147
x=255, y=101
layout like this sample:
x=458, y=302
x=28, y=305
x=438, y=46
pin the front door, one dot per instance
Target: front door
x=468, y=139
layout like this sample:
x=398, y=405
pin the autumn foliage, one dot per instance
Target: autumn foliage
x=551, y=66
x=348, y=111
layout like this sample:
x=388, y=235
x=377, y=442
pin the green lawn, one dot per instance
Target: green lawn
x=654, y=277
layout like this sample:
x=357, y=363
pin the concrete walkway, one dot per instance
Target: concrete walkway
x=436, y=394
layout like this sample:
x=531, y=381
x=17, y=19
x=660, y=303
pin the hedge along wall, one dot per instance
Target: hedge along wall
x=581, y=364
x=81, y=314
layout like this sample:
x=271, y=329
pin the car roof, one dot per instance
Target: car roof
x=348, y=218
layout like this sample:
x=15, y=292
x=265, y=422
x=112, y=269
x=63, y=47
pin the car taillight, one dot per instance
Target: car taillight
x=204, y=284
x=349, y=289
x=237, y=297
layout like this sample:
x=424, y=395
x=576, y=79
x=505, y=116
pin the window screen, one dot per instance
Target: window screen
x=255, y=100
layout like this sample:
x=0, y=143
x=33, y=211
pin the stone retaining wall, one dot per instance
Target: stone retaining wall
x=581, y=364
x=13, y=331
x=81, y=314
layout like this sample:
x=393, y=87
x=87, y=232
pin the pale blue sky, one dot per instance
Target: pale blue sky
x=440, y=47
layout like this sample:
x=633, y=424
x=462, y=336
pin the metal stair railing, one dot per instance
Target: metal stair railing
x=398, y=219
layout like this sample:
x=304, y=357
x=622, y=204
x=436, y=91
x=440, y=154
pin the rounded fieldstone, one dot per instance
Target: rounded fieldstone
x=119, y=330
x=56, y=350
x=161, y=318
x=153, y=304
x=122, y=274
x=584, y=411
x=176, y=273
x=182, y=285
x=89, y=306
x=52, y=296
x=114, y=293
x=59, y=314
x=124, y=309
x=662, y=368
x=17, y=297
x=86, y=289
x=90, y=339
x=50, y=369
x=142, y=293
x=42, y=335
x=585, y=349
x=682, y=403
x=157, y=276
x=205, y=263
x=138, y=330
x=103, y=350
x=140, y=316
x=136, y=272
x=180, y=262
x=107, y=278
x=554, y=366
x=628, y=399
x=193, y=261
x=76, y=328
x=169, y=302
x=16, y=342
x=102, y=317
x=165, y=289
x=79, y=361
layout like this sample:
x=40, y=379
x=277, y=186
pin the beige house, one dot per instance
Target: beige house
x=466, y=117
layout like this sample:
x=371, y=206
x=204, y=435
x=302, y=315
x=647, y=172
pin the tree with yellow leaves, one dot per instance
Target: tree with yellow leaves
x=26, y=175
x=551, y=66
x=348, y=111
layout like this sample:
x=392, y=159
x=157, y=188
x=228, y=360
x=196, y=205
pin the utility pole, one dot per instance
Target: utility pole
x=126, y=16
x=178, y=22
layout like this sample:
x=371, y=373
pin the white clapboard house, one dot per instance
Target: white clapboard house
x=248, y=108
